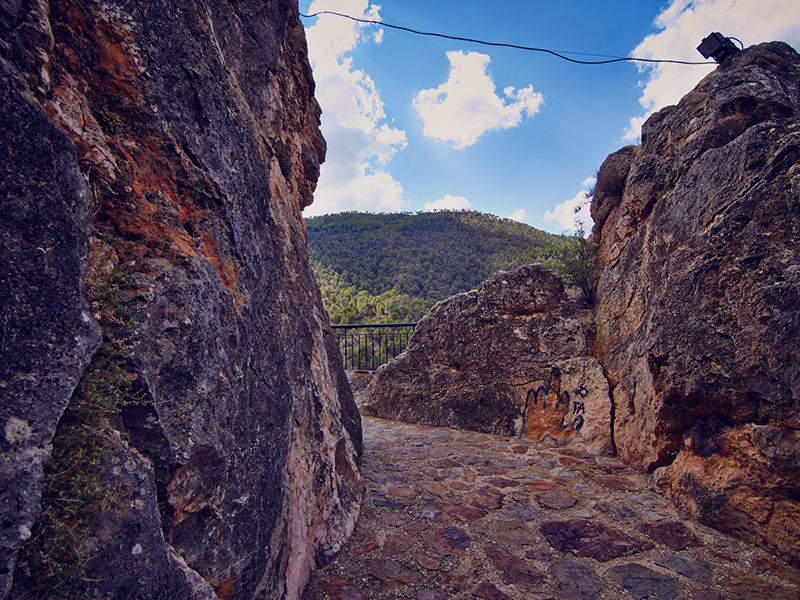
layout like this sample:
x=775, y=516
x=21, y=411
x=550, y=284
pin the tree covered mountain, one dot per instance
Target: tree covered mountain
x=374, y=268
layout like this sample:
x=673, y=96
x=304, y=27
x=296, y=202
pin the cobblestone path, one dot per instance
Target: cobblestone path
x=454, y=514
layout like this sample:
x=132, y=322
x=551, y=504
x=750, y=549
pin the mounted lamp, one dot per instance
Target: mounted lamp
x=717, y=46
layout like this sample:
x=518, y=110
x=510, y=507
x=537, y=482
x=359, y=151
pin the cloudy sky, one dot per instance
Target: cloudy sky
x=419, y=123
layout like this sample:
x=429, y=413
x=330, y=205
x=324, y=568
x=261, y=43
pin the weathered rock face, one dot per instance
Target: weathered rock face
x=698, y=316
x=156, y=160
x=48, y=334
x=511, y=358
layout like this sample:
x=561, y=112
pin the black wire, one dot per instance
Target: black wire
x=503, y=45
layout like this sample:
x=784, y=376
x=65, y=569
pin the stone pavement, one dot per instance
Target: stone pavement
x=455, y=514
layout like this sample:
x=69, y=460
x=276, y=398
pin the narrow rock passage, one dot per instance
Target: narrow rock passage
x=456, y=514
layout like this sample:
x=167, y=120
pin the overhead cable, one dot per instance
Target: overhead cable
x=559, y=54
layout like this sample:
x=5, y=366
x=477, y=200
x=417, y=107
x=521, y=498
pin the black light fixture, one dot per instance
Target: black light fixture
x=717, y=46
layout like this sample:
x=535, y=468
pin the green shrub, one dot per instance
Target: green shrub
x=577, y=268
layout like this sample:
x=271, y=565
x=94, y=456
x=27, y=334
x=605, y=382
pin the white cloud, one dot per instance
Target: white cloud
x=360, y=144
x=565, y=213
x=684, y=24
x=466, y=106
x=517, y=215
x=448, y=203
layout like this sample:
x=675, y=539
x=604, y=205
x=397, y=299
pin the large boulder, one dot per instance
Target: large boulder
x=156, y=160
x=698, y=301
x=510, y=357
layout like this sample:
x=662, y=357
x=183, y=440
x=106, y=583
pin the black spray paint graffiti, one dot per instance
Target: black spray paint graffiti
x=559, y=401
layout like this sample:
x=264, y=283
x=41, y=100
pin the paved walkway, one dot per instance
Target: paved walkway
x=454, y=514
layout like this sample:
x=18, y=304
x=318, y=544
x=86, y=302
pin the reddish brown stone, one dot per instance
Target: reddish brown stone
x=750, y=587
x=461, y=487
x=340, y=589
x=429, y=594
x=444, y=463
x=428, y=562
x=673, y=535
x=592, y=540
x=414, y=476
x=489, y=591
x=571, y=461
x=435, y=488
x=765, y=565
x=539, y=486
x=391, y=571
x=512, y=569
x=557, y=499
x=486, y=497
x=368, y=511
x=446, y=542
x=394, y=519
x=615, y=483
x=364, y=542
x=502, y=482
x=469, y=475
x=396, y=544
x=402, y=491
x=520, y=449
x=415, y=528
x=467, y=514
x=490, y=471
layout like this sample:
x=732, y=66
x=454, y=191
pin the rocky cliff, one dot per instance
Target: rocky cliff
x=698, y=313
x=694, y=333
x=176, y=420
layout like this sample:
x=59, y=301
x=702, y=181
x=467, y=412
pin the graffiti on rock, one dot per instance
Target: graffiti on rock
x=549, y=410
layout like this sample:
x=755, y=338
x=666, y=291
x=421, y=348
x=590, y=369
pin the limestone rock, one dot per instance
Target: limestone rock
x=699, y=296
x=174, y=150
x=48, y=335
x=510, y=358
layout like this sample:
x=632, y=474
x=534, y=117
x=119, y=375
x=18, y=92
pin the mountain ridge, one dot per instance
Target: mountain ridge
x=379, y=267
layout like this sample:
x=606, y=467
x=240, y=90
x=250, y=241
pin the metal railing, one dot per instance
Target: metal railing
x=366, y=347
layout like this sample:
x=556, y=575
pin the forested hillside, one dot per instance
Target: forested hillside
x=375, y=268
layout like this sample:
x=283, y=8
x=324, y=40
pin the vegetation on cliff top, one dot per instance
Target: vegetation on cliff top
x=378, y=268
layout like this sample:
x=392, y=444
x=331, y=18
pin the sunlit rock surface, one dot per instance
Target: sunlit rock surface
x=511, y=358
x=698, y=314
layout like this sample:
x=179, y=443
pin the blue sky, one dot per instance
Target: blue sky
x=417, y=123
